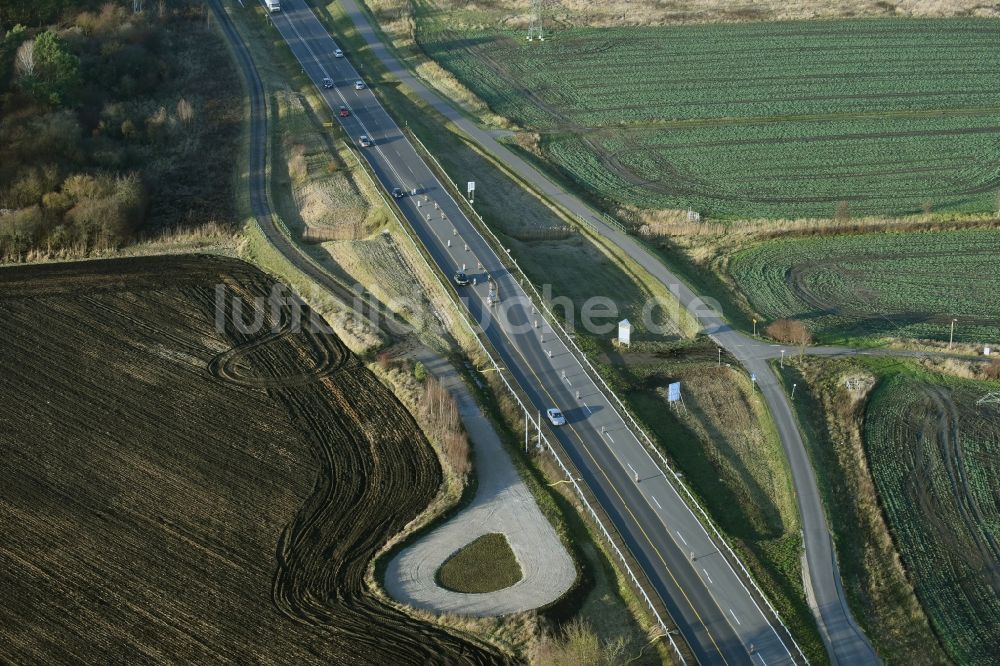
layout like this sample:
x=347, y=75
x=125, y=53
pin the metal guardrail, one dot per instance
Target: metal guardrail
x=689, y=499
x=528, y=413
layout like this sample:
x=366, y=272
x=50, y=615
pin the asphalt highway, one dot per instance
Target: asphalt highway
x=717, y=614
x=845, y=642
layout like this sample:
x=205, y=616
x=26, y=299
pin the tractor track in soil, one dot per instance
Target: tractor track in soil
x=136, y=483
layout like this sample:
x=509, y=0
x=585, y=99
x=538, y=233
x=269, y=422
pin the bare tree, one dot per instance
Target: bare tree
x=185, y=112
x=791, y=331
x=24, y=61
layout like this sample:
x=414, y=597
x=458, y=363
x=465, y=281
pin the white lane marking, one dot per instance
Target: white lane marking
x=609, y=437
x=579, y=362
x=682, y=537
x=761, y=659
x=707, y=576
x=657, y=501
x=589, y=410
x=634, y=473
x=734, y=616
x=340, y=94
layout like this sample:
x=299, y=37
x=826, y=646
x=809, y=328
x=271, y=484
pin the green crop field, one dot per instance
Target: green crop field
x=935, y=458
x=752, y=120
x=899, y=285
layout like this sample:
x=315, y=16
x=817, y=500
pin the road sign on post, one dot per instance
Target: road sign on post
x=471, y=190
x=624, y=333
x=674, y=397
x=674, y=392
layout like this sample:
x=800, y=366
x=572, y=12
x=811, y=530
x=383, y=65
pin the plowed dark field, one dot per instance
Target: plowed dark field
x=170, y=492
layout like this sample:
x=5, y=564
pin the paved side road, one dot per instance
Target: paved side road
x=502, y=504
x=845, y=642
x=548, y=569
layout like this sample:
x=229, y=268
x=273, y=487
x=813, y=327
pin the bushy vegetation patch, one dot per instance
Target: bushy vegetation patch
x=113, y=125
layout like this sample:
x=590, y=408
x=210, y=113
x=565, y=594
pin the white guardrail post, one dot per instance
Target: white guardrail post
x=496, y=366
x=623, y=412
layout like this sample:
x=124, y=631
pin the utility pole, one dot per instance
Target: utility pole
x=782, y=358
x=535, y=29
x=793, y=391
x=720, y=357
x=526, y=431
x=951, y=338
x=755, y=328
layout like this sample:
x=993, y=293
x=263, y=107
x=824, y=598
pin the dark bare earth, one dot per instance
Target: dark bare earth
x=154, y=512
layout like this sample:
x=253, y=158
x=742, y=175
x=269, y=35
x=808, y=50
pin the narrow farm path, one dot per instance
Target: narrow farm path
x=502, y=504
x=845, y=642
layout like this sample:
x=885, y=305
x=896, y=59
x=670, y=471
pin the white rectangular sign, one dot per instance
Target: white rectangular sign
x=472, y=186
x=674, y=392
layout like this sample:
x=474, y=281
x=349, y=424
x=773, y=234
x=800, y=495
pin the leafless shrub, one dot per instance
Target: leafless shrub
x=185, y=112
x=24, y=61
x=577, y=643
x=790, y=331
x=439, y=412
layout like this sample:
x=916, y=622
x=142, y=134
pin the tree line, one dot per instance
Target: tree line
x=105, y=124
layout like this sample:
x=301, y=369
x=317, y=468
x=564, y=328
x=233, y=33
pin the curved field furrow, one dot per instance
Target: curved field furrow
x=906, y=284
x=941, y=507
x=156, y=513
x=707, y=116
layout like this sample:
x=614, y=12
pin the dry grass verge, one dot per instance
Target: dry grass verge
x=877, y=586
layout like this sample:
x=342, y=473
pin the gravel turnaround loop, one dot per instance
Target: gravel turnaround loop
x=502, y=504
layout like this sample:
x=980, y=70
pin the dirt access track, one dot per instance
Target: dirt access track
x=175, y=490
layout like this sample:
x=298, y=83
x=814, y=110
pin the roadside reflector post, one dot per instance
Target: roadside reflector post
x=449, y=242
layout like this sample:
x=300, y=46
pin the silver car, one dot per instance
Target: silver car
x=556, y=417
x=359, y=85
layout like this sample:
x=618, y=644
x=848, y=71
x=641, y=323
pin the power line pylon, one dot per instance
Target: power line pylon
x=535, y=28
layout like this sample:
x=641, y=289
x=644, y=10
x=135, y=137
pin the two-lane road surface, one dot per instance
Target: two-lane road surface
x=711, y=603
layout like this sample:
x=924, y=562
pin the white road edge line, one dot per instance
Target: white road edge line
x=682, y=537
x=642, y=447
x=734, y=616
x=657, y=501
x=709, y=578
